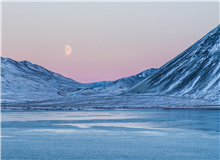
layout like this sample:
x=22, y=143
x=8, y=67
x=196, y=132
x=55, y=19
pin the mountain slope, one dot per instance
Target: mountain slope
x=132, y=80
x=120, y=85
x=104, y=88
x=24, y=80
x=193, y=73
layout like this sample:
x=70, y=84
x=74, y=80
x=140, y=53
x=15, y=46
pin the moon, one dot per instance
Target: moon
x=67, y=50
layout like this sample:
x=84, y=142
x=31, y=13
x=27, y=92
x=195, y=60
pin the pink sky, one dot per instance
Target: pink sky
x=109, y=40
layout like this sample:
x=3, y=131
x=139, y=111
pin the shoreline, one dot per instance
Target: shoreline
x=122, y=108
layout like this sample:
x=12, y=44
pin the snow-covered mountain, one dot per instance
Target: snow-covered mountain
x=25, y=81
x=106, y=88
x=128, y=81
x=123, y=84
x=193, y=73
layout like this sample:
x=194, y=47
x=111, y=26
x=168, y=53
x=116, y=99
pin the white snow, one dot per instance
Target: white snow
x=194, y=73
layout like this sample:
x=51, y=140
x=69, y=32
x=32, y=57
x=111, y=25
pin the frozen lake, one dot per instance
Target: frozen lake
x=111, y=134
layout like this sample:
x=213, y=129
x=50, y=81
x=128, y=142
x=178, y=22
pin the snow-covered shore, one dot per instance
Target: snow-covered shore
x=114, y=102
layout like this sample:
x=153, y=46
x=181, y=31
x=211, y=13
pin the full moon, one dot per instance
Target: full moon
x=67, y=50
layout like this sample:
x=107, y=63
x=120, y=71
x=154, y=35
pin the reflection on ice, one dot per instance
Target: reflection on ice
x=141, y=125
x=83, y=115
x=52, y=130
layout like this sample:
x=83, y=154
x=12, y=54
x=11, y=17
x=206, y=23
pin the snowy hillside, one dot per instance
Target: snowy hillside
x=123, y=84
x=107, y=88
x=194, y=73
x=24, y=80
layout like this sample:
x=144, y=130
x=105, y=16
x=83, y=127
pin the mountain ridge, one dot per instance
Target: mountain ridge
x=181, y=75
x=22, y=80
x=192, y=77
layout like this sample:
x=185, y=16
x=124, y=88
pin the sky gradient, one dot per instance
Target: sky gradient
x=109, y=40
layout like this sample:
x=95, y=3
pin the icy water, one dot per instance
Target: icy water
x=129, y=134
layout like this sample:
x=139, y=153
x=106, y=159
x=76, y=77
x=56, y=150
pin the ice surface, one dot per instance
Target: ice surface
x=137, y=134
